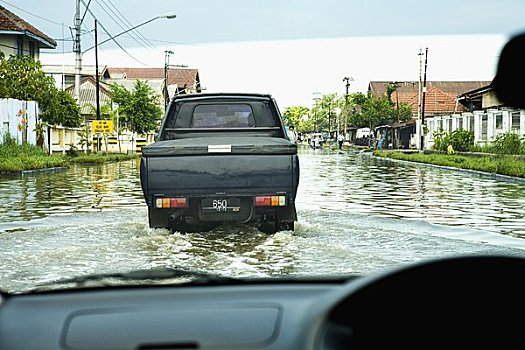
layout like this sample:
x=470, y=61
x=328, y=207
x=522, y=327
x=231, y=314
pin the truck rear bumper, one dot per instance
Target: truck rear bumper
x=246, y=212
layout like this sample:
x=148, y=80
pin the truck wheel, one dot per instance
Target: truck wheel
x=285, y=226
x=156, y=219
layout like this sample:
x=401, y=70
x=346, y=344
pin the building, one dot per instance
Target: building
x=480, y=99
x=19, y=38
x=64, y=75
x=440, y=97
x=180, y=80
x=88, y=97
x=168, y=82
x=483, y=114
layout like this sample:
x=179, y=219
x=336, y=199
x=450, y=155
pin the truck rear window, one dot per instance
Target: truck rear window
x=223, y=116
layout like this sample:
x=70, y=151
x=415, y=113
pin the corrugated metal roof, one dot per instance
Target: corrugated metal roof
x=88, y=95
x=11, y=22
x=155, y=84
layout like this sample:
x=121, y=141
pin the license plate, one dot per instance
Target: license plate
x=221, y=204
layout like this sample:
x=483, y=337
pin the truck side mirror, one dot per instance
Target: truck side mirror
x=508, y=83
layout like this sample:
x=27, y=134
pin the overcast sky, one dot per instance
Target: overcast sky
x=290, y=48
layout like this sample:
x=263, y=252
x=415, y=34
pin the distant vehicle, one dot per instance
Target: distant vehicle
x=221, y=158
x=363, y=132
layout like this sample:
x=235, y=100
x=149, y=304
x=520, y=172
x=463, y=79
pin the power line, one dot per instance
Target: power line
x=139, y=38
x=113, y=39
x=31, y=13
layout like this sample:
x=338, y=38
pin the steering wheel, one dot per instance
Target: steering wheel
x=448, y=302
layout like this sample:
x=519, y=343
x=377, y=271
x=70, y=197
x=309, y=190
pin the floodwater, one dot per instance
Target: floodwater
x=357, y=214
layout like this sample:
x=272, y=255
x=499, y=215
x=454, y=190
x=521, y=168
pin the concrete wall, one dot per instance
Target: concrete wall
x=12, y=114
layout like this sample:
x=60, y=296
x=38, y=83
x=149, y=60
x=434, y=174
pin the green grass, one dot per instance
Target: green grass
x=503, y=165
x=15, y=158
x=96, y=158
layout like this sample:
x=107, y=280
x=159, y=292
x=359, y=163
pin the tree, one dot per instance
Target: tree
x=402, y=111
x=139, y=108
x=22, y=78
x=295, y=115
x=325, y=112
x=378, y=110
x=60, y=108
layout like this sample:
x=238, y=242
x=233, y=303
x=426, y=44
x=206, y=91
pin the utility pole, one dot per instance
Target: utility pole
x=423, y=106
x=167, y=54
x=78, y=53
x=329, y=119
x=347, y=86
x=419, y=87
x=97, y=78
x=97, y=82
x=316, y=101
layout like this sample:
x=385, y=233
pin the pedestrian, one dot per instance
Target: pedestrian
x=292, y=134
x=340, y=140
x=317, y=142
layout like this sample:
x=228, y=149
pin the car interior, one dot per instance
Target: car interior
x=448, y=302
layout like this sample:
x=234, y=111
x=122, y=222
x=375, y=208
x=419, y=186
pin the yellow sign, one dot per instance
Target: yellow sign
x=102, y=126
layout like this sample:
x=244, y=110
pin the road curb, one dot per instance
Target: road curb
x=33, y=171
x=475, y=172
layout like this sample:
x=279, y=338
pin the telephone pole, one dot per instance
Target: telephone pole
x=419, y=87
x=423, y=102
x=78, y=53
x=167, y=54
x=347, y=87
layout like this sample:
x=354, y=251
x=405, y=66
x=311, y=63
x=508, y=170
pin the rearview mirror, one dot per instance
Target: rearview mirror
x=509, y=81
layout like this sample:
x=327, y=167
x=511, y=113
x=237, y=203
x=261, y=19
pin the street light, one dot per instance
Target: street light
x=79, y=54
x=316, y=100
x=167, y=54
x=347, y=86
x=168, y=16
x=97, y=44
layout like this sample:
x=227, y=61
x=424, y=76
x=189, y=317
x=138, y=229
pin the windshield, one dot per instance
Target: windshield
x=398, y=149
x=222, y=116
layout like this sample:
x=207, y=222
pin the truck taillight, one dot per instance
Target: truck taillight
x=270, y=201
x=179, y=202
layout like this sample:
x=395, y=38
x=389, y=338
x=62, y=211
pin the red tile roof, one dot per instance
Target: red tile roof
x=11, y=22
x=440, y=97
x=178, y=76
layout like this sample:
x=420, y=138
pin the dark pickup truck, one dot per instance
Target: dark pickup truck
x=221, y=158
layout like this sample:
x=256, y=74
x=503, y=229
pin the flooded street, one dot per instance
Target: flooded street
x=357, y=214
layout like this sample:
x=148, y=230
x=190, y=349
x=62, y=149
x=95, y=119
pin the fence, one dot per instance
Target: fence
x=18, y=119
x=62, y=140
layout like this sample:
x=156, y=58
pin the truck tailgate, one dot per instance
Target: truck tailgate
x=223, y=145
x=228, y=173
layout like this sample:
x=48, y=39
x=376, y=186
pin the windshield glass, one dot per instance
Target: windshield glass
x=222, y=116
x=397, y=147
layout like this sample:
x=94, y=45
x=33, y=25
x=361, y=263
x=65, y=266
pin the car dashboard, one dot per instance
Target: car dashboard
x=438, y=303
